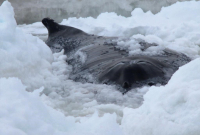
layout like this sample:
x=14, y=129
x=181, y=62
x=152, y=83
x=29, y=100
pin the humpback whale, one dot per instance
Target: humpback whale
x=103, y=62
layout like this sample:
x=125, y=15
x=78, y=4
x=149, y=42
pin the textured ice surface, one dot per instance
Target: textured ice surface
x=23, y=55
x=169, y=110
x=23, y=113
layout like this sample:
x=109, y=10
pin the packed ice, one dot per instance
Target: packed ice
x=172, y=109
x=38, y=98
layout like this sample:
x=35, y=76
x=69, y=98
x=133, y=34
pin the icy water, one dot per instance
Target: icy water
x=80, y=100
x=36, y=30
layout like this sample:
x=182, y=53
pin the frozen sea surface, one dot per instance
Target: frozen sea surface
x=59, y=106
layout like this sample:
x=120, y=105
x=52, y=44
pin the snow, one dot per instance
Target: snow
x=171, y=109
x=24, y=113
x=56, y=105
x=23, y=55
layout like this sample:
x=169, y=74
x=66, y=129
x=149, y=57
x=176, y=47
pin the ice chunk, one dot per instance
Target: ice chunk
x=171, y=109
x=22, y=55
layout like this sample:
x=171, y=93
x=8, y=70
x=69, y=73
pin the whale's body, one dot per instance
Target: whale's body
x=102, y=62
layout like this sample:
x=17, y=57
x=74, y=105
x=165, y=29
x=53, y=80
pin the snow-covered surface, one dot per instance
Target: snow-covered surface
x=59, y=106
x=173, y=109
x=23, y=55
x=24, y=113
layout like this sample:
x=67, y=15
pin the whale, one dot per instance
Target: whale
x=97, y=59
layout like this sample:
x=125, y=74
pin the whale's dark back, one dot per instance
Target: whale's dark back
x=108, y=64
